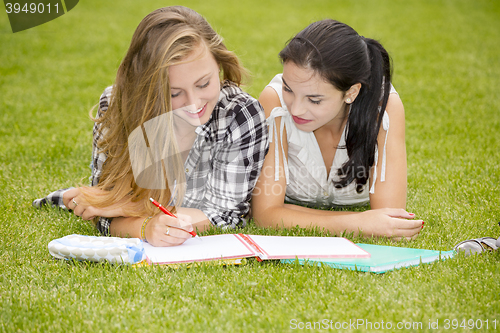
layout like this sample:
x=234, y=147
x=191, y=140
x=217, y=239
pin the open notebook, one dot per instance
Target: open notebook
x=382, y=259
x=238, y=246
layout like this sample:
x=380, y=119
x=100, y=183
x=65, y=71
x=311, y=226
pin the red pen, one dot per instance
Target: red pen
x=166, y=211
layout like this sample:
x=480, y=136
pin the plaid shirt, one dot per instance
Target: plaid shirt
x=222, y=167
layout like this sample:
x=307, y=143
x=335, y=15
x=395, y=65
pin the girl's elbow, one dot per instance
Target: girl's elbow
x=258, y=216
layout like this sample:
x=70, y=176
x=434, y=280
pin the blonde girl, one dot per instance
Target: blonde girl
x=176, y=127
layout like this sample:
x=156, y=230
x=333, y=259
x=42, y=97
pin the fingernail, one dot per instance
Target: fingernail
x=411, y=214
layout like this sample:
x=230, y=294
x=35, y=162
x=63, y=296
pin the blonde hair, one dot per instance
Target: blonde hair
x=142, y=92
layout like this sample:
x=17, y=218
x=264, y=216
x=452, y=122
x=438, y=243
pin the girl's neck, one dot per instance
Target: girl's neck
x=183, y=130
x=336, y=125
x=185, y=135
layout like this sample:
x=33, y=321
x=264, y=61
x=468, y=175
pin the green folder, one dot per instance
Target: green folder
x=383, y=258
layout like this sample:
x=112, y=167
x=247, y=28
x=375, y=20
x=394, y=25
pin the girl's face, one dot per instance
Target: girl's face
x=195, y=86
x=311, y=100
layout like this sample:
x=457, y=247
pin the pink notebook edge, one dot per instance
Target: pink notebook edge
x=364, y=255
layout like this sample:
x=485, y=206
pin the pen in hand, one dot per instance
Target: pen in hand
x=166, y=211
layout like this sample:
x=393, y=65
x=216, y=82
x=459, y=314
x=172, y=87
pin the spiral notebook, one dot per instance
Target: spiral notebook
x=239, y=246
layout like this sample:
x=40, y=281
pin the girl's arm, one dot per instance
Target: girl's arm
x=392, y=192
x=237, y=160
x=160, y=230
x=269, y=209
x=123, y=226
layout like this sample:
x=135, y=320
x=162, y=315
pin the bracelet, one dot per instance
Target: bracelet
x=143, y=228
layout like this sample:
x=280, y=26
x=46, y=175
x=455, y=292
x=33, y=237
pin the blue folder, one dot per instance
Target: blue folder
x=383, y=258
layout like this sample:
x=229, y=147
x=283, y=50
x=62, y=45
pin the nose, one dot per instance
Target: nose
x=296, y=108
x=193, y=99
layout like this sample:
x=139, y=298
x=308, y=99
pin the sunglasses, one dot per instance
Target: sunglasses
x=477, y=245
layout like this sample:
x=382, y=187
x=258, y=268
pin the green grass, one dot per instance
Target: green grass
x=447, y=70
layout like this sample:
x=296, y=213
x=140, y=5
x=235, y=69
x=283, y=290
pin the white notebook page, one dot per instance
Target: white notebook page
x=280, y=247
x=215, y=247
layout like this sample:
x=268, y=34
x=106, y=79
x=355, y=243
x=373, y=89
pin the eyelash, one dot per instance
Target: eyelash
x=204, y=85
x=201, y=87
x=288, y=90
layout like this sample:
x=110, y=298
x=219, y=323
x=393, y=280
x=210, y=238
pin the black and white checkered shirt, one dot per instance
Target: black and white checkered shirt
x=222, y=167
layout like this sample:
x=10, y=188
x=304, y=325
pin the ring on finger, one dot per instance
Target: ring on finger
x=168, y=231
x=74, y=202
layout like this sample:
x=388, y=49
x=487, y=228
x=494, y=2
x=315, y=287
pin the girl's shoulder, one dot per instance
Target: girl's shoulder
x=104, y=101
x=237, y=110
x=272, y=97
x=276, y=84
x=233, y=98
x=395, y=109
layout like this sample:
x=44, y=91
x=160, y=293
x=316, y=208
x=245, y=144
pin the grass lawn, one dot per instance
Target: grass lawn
x=447, y=71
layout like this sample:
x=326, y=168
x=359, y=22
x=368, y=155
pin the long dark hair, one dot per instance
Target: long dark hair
x=343, y=57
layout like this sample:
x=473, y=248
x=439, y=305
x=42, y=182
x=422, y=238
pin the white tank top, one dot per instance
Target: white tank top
x=305, y=171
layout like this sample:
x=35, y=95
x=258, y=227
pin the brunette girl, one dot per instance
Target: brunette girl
x=337, y=134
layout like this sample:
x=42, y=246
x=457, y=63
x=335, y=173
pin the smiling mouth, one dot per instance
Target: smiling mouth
x=195, y=111
x=191, y=112
x=191, y=109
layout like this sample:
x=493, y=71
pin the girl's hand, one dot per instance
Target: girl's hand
x=164, y=230
x=395, y=223
x=74, y=200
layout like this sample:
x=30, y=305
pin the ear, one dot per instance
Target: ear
x=351, y=94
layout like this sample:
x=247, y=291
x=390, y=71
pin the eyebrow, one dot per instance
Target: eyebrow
x=197, y=81
x=313, y=95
